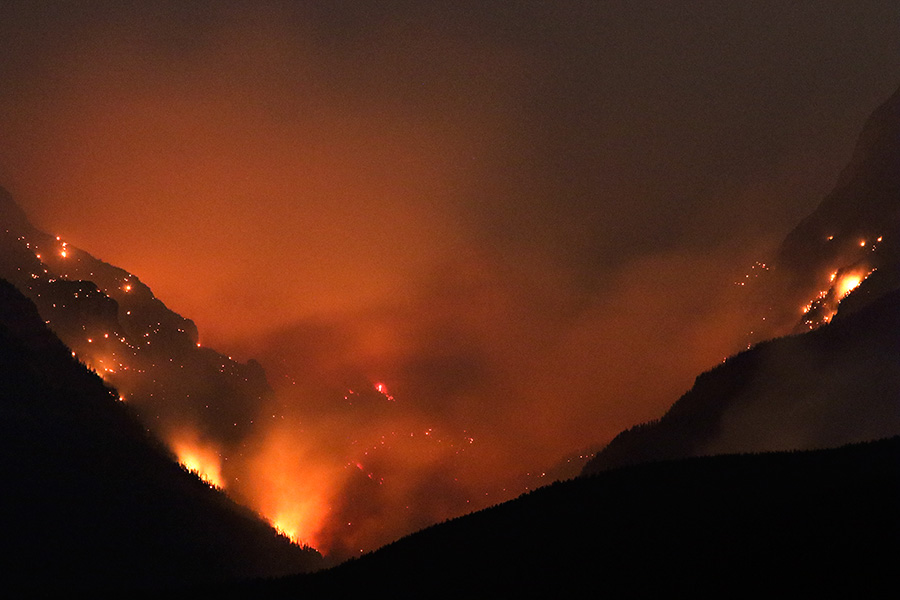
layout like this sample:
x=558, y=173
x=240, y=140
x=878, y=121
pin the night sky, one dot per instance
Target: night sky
x=523, y=218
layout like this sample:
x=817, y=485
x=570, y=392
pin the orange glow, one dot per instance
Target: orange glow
x=824, y=306
x=382, y=389
x=847, y=284
x=293, y=237
x=294, y=522
x=204, y=460
x=290, y=486
x=282, y=525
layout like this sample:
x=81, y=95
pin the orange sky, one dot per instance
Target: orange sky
x=524, y=219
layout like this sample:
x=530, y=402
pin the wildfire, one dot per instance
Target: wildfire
x=382, y=389
x=293, y=522
x=201, y=459
x=824, y=306
x=282, y=527
x=847, y=284
x=291, y=485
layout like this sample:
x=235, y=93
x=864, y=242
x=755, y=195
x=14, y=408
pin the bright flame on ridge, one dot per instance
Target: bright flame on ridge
x=847, y=284
x=201, y=459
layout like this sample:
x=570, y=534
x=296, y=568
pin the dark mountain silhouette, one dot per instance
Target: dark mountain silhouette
x=775, y=524
x=830, y=386
x=91, y=500
x=118, y=327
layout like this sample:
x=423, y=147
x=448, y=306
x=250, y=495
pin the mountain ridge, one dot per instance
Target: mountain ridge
x=115, y=324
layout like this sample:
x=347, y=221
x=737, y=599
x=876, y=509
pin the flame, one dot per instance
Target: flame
x=825, y=305
x=199, y=458
x=282, y=526
x=847, y=284
x=291, y=485
x=382, y=389
x=294, y=523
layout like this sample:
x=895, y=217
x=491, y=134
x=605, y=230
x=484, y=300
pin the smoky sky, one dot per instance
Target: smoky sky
x=523, y=217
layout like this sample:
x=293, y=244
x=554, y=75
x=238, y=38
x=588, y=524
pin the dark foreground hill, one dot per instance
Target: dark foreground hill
x=776, y=524
x=90, y=500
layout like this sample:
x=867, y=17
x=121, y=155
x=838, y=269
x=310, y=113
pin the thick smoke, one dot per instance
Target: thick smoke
x=522, y=220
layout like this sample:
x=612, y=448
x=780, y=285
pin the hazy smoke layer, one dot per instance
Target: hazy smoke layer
x=523, y=221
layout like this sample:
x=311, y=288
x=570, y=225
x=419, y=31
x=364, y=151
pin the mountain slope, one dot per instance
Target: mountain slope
x=853, y=233
x=118, y=327
x=825, y=388
x=90, y=499
x=835, y=384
